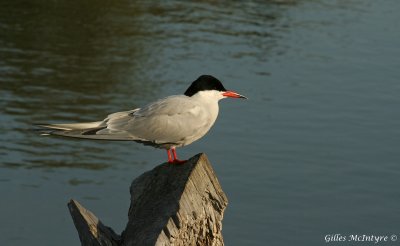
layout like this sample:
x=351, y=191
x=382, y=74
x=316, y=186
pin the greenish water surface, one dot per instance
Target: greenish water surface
x=313, y=152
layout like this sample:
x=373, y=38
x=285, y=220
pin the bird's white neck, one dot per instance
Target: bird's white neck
x=209, y=100
x=208, y=96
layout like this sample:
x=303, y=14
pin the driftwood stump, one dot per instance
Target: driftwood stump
x=170, y=205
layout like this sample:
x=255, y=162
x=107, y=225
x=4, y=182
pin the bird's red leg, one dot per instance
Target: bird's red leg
x=169, y=157
x=176, y=160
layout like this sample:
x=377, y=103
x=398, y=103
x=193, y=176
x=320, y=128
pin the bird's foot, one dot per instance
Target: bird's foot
x=176, y=161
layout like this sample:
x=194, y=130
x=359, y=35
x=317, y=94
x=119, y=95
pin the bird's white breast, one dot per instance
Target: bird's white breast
x=208, y=113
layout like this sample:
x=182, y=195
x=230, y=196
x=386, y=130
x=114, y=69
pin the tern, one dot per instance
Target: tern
x=167, y=123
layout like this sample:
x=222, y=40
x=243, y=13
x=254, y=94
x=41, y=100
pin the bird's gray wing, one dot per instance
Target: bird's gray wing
x=87, y=130
x=174, y=120
x=170, y=120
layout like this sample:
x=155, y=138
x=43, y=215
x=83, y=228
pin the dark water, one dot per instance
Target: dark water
x=314, y=151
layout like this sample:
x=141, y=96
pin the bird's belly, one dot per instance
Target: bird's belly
x=197, y=134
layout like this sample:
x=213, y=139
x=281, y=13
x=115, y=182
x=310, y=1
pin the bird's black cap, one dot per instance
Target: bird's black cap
x=204, y=83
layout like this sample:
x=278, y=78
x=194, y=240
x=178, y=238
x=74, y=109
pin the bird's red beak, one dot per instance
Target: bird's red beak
x=233, y=94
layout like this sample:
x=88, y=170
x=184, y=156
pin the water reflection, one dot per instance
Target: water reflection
x=67, y=62
x=321, y=123
x=76, y=182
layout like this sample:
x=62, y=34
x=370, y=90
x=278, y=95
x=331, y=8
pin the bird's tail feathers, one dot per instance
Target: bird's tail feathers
x=90, y=130
x=72, y=126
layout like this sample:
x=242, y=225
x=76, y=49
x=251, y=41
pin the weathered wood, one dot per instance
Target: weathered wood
x=91, y=231
x=176, y=205
x=170, y=205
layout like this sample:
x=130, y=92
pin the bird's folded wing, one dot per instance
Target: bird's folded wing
x=173, y=119
x=170, y=120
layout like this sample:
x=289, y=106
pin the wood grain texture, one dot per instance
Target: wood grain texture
x=170, y=205
x=176, y=205
x=91, y=231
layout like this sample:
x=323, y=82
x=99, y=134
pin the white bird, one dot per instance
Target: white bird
x=168, y=123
